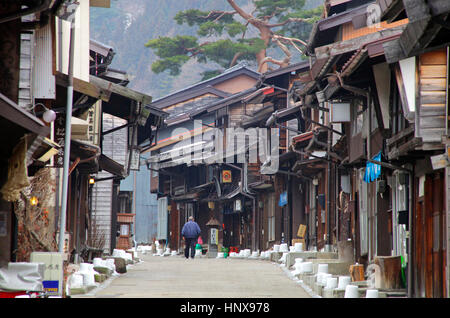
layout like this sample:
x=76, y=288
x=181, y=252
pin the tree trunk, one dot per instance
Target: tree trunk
x=261, y=55
x=389, y=275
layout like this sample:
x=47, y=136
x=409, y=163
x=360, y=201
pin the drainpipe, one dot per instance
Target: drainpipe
x=68, y=131
x=329, y=187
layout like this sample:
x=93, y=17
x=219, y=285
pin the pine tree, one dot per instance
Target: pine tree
x=278, y=23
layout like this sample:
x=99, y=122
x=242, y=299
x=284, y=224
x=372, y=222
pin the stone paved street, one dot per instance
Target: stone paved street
x=176, y=277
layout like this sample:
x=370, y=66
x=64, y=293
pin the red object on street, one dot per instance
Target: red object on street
x=12, y=294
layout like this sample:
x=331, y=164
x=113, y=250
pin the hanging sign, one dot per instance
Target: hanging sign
x=226, y=176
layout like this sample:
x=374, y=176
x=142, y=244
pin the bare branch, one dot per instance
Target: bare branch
x=290, y=41
x=218, y=14
x=288, y=21
x=269, y=59
x=196, y=50
x=285, y=38
x=235, y=58
x=283, y=48
x=240, y=11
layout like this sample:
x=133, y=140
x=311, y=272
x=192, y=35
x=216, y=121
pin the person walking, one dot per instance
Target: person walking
x=190, y=232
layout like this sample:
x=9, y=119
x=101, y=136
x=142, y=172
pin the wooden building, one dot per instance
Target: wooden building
x=183, y=184
x=388, y=166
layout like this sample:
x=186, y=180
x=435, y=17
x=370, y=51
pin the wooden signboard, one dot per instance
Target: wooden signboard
x=301, y=231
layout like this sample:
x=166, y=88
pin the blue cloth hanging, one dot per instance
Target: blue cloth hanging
x=283, y=199
x=373, y=170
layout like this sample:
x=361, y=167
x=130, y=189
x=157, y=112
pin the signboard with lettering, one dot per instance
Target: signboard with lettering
x=60, y=134
x=214, y=239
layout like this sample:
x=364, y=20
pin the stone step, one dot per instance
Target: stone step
x=335, y=266
x=307, y=255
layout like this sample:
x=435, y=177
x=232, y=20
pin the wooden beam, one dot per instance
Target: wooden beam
x=416, y=10
x=83, y=87
x=110, y=87
x=405, y=132
x=347, y=46
x=403, y=149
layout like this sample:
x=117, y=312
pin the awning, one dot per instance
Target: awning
x=287, y=113
x=122, y=103
x=111, y=166
x=125, y=217
x=42, y=150
x=258, y=118
x=84, y=157
x=17, y=115
x=15, y=124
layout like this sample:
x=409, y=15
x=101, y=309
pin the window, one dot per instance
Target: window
x=398, y=120
x=358, y=110
x=124, y=229
x=189, y=211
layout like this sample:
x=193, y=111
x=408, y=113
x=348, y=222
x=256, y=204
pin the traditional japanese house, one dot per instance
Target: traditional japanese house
x=181, y=182
x=383, y=88
x=418, y=75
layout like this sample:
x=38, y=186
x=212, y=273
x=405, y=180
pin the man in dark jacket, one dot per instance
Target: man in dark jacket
x=190, y=232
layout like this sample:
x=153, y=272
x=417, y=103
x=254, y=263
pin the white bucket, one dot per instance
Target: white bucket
x=331, y=283
x=76, y=280
x=298, y=247
x=276, y=248
x=291, y=249
x=343, y=282
x=220, y=255
x=351, y=291
x=98, y=262
x=88, y=279
x=307, y=267
x=322, y=278
x=322, y=268
x=284, y=248
x=84, y=267
x=372, y=293
x=110, y=264
x=298, y=260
